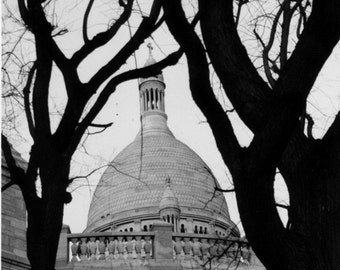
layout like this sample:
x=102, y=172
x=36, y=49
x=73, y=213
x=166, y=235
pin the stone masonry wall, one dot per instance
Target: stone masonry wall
x=13, y=219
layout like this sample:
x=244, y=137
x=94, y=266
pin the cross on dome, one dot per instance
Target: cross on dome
x=150, y=48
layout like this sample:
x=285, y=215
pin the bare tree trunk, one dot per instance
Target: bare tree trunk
x=278, y=142
x=45, y=214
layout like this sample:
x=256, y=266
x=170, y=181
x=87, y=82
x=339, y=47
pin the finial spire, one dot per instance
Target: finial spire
x=150, y=49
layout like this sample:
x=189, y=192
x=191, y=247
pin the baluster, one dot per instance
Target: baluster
x=245, y=253
x=205, y=249
x=230, y=252
x=213, y=250
x=178, y=247
x=129, y=247
x=237, y=253
x=93, y=248
x=102, y=248
x=138, y=247
x=196, y=248
x=120, y=247
x=83, y=249
x=187, y=248
x=147, y=246
x=74, y=249
x=111, y=247
x=220, y=250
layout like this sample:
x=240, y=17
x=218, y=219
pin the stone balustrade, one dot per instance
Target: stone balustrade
x=156, y=249
x=207, y=249
x=110, y=246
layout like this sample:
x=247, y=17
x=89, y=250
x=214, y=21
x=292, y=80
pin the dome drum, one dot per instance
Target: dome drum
x=184, y=225
x=152, y=96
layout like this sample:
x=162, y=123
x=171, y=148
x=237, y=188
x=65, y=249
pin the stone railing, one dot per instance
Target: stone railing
x=159, y=247
x=110, y=246
x=210, y=248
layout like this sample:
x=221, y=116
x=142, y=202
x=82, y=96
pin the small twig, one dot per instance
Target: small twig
x=224, y=190
x=7, y=185
x=283, y=206
x=101, y=125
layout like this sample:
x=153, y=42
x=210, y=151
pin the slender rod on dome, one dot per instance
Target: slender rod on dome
x=150, y=49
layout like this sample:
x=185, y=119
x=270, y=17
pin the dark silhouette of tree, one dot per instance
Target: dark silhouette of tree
x=53, y=147
x=275, y=111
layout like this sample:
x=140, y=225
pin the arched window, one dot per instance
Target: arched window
x=205, y=230
x=156, y=99
x=201, y=230
x=145, y=228
x=147, y=100
x=125, y=230
x=152, y=99
x=182, y=228
x=196, y=229
x=131, y=229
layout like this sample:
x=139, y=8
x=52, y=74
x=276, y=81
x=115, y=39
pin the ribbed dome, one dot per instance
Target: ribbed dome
x=134, y=183
x=132, y=189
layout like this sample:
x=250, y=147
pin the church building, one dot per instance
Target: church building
x=156, y=206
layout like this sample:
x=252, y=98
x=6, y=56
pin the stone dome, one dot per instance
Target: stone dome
x=133, y=189
x=133, y=184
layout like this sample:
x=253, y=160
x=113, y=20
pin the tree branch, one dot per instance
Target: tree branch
x=7, y=185
x=24, y=13
x=282, y=206
x=17, y=173
x=146, y=27
x=110, y=88
x=200, y=86
x=312, y=50
x=287, y=18
x=267, y=48
x=224, y=190
x=239, y=7
x=85, y=20
x=41, y=91
x=26, y=92
x=333, y=133
x=101, y=38
x=101, y=125
x=247, y=91
x=310, y=124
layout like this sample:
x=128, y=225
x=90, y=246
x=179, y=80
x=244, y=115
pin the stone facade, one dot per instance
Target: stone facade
x=13, y=221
